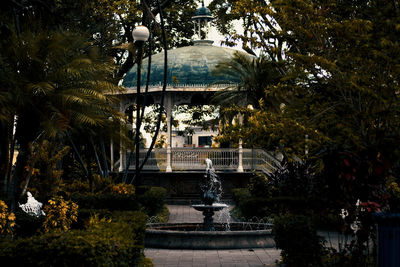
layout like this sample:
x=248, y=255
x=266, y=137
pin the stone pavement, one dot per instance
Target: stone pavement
x=207, y=258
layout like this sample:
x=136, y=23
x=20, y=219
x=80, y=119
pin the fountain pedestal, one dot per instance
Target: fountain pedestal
x=208, y=223
x=208, y=213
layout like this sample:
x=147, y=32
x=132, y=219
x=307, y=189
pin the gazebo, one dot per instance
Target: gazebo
x=189, y=81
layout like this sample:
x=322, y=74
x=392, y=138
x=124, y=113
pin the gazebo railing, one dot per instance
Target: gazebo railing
x=224, y=159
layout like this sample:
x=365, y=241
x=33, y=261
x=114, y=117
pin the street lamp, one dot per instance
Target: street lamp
x=140, y=35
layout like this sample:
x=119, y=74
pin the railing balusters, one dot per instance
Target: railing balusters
x=222, y=158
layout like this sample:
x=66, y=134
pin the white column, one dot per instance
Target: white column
x=240, y=163
x=168, y=108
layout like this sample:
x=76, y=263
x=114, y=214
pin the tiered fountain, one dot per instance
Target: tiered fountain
x=211, y=191
x=209, y=235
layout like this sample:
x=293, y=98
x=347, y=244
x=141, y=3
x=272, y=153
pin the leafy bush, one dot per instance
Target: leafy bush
x=152, y=199
x=42, y=166
x=27, y=225
x=103, y=243
x=294, y=179
x=160, y=217
x=240, y=194
x=60, y=214
x=76, y=186
x=7, y=220
x=254, y=207
x=123, y=189
x=105, y=201
x=259, y=186
x=100, y=186
x=298, y=239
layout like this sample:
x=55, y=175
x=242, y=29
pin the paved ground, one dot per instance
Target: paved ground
x=208, y=258
x=211, y=258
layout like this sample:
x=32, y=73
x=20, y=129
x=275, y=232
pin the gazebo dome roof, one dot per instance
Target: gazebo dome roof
x=187, y=66
x=203, y=11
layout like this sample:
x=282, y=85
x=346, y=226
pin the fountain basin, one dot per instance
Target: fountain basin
x=191, y=236
x=213, y=207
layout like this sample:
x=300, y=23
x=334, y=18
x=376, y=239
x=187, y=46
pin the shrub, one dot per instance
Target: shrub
x=76, y=186
x=60, y=214
x=160, y=217
x=105, y=201
x=43, y=167
x=240, y=194
x=7, y=220
x=152, y=199
x=294, y=179
x=123, y=189
x=297, y=237
x=103, y=243
x=254, y=207
x=100, y=186
x=27, y=225
x=259, y=186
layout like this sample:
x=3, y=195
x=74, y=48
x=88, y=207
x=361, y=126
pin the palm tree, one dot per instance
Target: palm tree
x=56, y=82
x=254, y=76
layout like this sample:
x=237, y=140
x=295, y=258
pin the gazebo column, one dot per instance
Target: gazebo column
x=168, y=108
x=240, y=163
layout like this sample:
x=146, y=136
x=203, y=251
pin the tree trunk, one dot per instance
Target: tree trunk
x=97, y=158
x=4, y=154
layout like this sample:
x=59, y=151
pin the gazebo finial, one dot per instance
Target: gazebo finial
x=202, y=17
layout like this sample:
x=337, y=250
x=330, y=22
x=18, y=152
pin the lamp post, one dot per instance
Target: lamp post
x=140, y=35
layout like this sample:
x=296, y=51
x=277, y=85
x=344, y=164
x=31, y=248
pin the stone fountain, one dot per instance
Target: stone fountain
x=211, y=191
x=209, y=235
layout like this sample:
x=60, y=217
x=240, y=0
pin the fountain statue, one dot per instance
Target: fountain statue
x=211, y=192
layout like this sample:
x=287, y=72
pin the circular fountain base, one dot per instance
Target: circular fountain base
x=188, y=236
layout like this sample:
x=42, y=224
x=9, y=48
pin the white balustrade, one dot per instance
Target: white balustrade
x=223, y=159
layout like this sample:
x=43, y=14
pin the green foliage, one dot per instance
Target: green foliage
x=123, y=189
x=100, y=185
x=42, y=165
x=161, y=216
x=7, y=220
x=105, y=201
x=76, y=186
x=255, y=74
x=297, y=237
x=198, y=115
x=27, y=225
x=338, y=64
x=152, y=199
x=255, y=207
x=258, y=186
x=295, y=179
x=103, y=243
x=240, y=194
x=60, y=214
x=61, y=84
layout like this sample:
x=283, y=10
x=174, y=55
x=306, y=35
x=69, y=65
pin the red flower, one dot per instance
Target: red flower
x=371, y=206
x=347, y=162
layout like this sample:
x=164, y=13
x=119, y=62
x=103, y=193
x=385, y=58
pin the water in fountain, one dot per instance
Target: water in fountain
x=224, y=217
x=211, y=186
